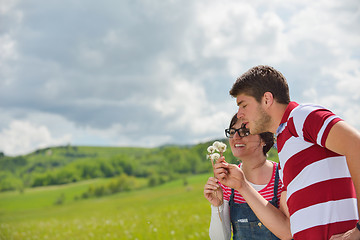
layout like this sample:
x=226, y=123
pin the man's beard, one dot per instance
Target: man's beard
x=262, y=124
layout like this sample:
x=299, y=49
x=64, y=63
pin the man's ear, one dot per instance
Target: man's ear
x=268, y=99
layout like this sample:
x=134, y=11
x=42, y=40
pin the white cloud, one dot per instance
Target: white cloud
x=345, y=96
x=8, y=55
x=347, y=75
x=241, y=35
x=90, y=58
x=187, y=105
x=155, y=73
x=310, y=95
x=22, y=137
x=191, y=111
x=7, y=48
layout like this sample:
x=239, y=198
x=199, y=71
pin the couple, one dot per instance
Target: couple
x=319, y=167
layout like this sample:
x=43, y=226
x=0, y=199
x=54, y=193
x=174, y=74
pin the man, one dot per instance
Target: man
x=319, y=156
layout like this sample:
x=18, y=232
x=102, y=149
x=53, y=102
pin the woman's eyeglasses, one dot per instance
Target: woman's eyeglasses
x=243, y=132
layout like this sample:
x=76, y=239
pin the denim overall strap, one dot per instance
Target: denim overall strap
x=232, y=195
x=274, y=200
x=245, y=223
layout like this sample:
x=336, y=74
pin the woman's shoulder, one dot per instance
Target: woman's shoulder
x=274, y=164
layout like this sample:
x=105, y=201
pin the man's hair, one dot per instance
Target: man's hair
x=267, y=137
x=260, y=79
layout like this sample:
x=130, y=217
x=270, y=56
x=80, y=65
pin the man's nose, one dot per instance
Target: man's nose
x=240, y=114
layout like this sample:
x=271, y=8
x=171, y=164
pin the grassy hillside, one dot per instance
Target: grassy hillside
x=171, y=211
x=73, y=192
x=69, y=164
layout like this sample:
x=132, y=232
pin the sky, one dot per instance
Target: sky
x=149, y=73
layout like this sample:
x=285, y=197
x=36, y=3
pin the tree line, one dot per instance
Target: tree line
x=67, y=164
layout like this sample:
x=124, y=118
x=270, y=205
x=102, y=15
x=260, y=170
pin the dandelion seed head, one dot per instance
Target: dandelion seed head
x=214, y=156
x=211, y=149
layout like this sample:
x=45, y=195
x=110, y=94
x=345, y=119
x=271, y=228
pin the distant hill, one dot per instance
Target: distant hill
x=66, y=164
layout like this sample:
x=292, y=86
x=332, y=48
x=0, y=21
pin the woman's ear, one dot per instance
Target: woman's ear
x=262, y=142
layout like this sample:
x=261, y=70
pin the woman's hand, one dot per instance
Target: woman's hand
x=213, y=192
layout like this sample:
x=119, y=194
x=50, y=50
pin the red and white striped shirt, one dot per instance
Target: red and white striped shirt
x=267, y=192
x=320, y=193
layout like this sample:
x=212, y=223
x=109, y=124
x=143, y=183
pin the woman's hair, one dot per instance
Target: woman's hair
x=259, y=80
x=267, y=137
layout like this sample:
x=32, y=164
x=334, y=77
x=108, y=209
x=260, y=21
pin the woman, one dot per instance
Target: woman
x=262, y=176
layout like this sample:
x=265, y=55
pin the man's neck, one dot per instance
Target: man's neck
x=277, y=112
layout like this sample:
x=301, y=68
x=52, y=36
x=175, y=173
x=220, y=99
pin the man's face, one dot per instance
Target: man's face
x=252, y=114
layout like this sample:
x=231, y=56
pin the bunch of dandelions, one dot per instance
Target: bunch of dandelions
x=216, y=151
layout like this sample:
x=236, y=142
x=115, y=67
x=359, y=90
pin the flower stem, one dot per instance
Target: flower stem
x=216, y=192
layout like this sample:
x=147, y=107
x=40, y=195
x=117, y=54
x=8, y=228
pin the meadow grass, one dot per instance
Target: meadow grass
x=171, y=211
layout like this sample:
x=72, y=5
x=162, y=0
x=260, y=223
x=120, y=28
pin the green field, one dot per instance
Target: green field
x=174, y=210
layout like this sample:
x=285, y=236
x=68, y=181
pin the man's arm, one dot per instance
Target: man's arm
x=345, y=140
x=274, y=219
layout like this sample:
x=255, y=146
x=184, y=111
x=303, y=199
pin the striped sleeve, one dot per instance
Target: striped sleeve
x=226, y=192
x=313, y=123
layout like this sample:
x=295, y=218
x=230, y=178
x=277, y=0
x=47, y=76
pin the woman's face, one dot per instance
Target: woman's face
x=245, y=146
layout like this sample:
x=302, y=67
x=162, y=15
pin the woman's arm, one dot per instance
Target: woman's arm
x=220, y=229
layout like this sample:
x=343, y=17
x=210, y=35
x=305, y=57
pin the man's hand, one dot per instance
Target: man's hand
x=229, y=174
x=353, y=234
